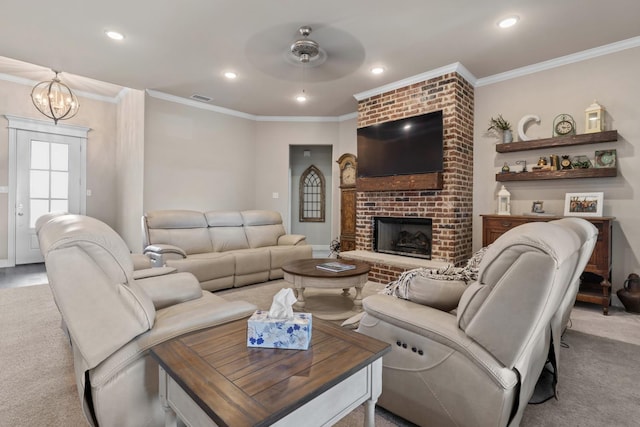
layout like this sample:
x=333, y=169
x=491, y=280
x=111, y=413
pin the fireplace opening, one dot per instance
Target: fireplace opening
x=403, y=236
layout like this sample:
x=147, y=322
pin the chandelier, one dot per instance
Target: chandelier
x=55, y=99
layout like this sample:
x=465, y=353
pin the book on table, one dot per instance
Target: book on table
x=335, y=266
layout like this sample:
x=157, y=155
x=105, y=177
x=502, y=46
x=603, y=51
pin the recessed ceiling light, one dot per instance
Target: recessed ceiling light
x=377, y=70
x=508, y=22
x=230, y=75
x=114, y=35
x=301, y=98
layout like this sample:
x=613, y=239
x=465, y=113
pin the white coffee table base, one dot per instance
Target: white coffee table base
x=345, y=283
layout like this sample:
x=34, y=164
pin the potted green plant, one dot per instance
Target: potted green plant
x=500, y=125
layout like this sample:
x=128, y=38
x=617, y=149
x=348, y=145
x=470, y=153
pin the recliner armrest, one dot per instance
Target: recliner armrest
x=160, y=253
x=170, y=289
x=291, y=239
x=163, y=249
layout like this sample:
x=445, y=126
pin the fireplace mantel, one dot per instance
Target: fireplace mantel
x=424, y=181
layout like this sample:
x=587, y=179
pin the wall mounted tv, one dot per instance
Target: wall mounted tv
x=413, y=145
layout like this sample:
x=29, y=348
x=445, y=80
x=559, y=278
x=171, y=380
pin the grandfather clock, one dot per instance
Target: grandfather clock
x=348, y=167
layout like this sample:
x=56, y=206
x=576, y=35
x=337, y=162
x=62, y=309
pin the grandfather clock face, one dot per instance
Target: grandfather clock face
x=349, y=174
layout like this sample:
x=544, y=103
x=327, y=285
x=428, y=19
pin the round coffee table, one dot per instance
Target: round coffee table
x=303, y=274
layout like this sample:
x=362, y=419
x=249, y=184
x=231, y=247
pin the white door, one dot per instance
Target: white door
x=48, y=179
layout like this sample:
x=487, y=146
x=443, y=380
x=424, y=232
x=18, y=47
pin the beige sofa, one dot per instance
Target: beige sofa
x=223, y=249
x=114, y=319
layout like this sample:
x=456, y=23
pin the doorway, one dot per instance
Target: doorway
x=47, y=173
x=313, y=218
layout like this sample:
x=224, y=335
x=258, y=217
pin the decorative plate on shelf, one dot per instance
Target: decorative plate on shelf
x=605, y=158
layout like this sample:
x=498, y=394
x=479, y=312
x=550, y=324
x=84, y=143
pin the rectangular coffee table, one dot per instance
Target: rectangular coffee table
x=211, y=378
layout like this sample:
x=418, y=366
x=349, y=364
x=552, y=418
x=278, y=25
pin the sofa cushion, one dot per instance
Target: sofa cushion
x=182, y=228
x=207, y=266
x=228, y=238
x=224, y=218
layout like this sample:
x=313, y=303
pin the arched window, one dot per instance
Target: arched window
x=312, y=195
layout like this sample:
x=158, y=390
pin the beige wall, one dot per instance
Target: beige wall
x=100, y=117
x=613, y=81
x=130, y=167
x=197, y=159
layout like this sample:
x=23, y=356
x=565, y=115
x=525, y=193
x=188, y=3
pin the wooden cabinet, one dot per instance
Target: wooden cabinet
x=348, y=170
x=493, y=226
x=558, y=142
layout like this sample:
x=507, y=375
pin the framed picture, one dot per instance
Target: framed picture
x=537, y=207
x=605, y=158
x=583, y=204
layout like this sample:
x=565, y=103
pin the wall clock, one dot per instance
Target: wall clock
x=563, y=125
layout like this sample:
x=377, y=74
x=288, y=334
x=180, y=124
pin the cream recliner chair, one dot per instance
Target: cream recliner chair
x=478, y=367
x=113, y=320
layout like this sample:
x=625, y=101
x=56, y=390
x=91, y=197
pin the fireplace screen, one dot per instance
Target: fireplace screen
x=403, y=236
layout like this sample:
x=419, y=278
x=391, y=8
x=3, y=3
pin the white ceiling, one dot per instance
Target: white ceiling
x=182, y=48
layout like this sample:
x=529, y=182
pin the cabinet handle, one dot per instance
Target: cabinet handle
x=505, y=224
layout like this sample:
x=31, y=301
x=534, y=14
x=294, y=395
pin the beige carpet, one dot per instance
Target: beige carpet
x=37, y=386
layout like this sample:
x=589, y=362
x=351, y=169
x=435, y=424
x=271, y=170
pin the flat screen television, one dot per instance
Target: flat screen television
x=413, y=145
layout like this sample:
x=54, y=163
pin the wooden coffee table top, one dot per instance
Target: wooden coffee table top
x=241, y=386
x=307, y=268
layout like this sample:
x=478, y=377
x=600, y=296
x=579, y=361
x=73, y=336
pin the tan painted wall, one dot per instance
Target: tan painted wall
x=100, y=117
x=613, y=81
x=197, y=159
x=130, y=167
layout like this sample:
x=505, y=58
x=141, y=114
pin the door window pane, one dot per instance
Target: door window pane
x=39, y=155
x=39, y=184
x=59, y=206
x=37, y=209
x=60, y=185
x=60, y=157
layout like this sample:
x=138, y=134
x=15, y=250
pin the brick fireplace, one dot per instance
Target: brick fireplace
x=446, y=198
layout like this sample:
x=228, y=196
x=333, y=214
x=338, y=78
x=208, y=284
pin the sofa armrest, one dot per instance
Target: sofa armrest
x=292, y=240
x=160, y=253
x=152, y=272
x=170, y=289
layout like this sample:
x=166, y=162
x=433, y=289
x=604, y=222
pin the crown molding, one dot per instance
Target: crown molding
x=29, y=82
x=456, y=67
x=198, y=104
x=561, y=61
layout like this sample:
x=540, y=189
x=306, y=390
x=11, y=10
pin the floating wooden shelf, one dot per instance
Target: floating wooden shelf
x=561, y=174
x=560, y=141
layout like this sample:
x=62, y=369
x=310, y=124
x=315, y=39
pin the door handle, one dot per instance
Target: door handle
x=19, y=209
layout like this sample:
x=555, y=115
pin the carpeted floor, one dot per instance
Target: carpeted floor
x=598, y=376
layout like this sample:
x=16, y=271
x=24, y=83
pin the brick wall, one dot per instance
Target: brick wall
x=450, y=208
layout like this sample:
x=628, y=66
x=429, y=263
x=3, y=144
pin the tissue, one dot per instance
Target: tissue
x=280, y=327
x=282, y=305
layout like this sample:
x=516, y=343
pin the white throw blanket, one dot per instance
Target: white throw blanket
x=467, y=274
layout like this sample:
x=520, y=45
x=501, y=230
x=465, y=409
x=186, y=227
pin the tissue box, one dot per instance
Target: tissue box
x=263, y=331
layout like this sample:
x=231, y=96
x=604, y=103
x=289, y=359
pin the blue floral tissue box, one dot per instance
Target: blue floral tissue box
x=263, y=331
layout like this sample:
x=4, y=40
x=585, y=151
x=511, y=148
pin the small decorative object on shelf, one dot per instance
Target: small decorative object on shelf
x=563, y=124
x=605, y=158
x=500, y=125
x=524, y=165
x=555, y=162
x=504, y=202
x=537, y=207
x=542, y=165
x=505, y=168
x=522, y=124
x=580, y=162
x=594, y=118
x=565, y=163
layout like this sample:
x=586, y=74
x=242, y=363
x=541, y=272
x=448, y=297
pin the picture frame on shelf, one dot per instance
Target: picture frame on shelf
x=605, y=159
x=583, y=204
x=536, y=207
